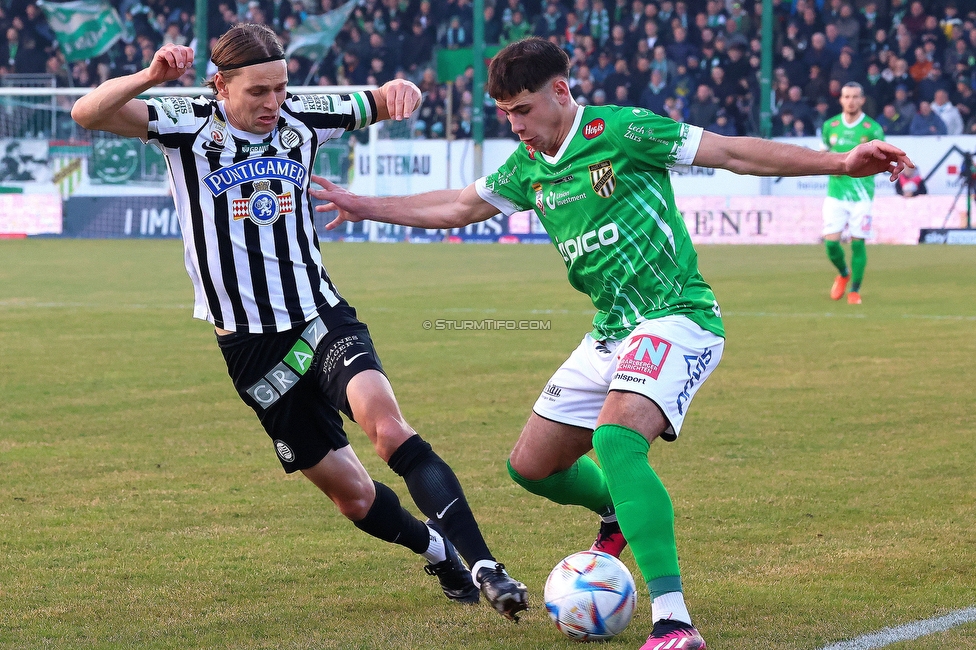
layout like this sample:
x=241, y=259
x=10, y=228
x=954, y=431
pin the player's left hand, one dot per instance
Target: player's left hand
x=402, y=98
x=339, y=200
x=875, y=157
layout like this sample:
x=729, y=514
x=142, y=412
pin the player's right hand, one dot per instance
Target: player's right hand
x=170, y=63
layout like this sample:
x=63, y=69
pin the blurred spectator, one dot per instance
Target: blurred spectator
x=833, y=41
x=903, y=104
x=933, y=81
x=900, y=74
x=948, y=113
x=910, y=183
x=822, y=111
x=703, y=108
x=848, y=26
x=655, y=93
x=844, y=70
x=619, y=77
x=817, y=54
x=797, y=106
x=604, y=66
x=30, y=57
x=551, y=22
x=516, y=30
x=923, y=46
x=679, y=49
x=456, y=35
x=783, y=124
x=816, y=84
x=722, y=125
x=965, y=98
x=492, y=25
x=914, y=22
x=892, y=122
x=877, y=88
x=926, y=122
x=922, y=66
x=418, y=47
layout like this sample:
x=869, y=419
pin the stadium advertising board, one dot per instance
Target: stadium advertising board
x=798, y=220
x=29, y=214
x=120, y=217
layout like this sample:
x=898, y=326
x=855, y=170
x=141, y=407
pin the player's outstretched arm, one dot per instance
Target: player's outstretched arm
x=767, y=158
x=112, y=106
x=438, y=209
x=396, y=99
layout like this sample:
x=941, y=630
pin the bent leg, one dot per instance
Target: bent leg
x=432, y=483
x=550, y=460
x=373, y=507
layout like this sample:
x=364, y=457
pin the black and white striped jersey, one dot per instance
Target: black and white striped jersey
x=250, y=246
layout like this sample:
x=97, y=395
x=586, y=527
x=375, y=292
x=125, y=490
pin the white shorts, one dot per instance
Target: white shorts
x=854, y=215
x=666, y=360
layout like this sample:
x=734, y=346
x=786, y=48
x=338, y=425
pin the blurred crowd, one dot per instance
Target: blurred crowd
x=696, y=61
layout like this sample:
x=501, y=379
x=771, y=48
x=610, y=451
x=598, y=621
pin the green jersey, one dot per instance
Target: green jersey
x=606, y=201
x=841, y=137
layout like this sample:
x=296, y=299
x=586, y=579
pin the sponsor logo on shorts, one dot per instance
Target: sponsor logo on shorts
x=553, y=391
x=284, y=451
x=336, y=353
x=696, y=368
x=629, y=378
x=644, y=354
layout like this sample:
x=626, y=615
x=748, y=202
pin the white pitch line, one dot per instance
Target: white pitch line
x=907, y=632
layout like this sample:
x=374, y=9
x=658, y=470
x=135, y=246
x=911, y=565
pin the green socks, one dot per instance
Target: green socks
x=836, y=256
x=583, y=484
x=859, y=260
x=643, y=506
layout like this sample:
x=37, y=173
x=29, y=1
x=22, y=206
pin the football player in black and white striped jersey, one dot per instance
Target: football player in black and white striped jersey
x=239, y=168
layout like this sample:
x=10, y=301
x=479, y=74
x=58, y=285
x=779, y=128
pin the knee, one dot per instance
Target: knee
x=390, y=433
x=354, y=503
x=523, y=466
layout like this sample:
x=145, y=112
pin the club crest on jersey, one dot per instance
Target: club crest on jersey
x=289, y=137
x=594, y=128
x=603, y=179
x=263, y=207
x=539, y=201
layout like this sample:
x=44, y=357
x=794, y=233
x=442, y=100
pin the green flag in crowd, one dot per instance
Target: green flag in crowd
x=315, y=35
x=84, y=28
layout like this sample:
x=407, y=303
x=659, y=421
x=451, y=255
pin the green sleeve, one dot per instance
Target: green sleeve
x=654, y=142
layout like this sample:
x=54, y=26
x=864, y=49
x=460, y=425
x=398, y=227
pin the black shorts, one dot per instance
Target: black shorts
x=303, y=422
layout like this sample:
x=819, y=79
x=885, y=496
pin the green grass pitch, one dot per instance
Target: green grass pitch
x=823, y=485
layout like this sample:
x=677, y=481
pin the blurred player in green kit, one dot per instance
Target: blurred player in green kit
x=849, y=200
x=598, y=179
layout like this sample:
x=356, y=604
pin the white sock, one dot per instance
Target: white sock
x=609, y=519
x=435, y=550
x=478, y=566
x=670, y=607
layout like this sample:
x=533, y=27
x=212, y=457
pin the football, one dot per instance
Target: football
x=590, y=596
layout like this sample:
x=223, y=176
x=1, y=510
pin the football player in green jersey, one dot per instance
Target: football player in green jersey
x=849, y=200
x=598, y=179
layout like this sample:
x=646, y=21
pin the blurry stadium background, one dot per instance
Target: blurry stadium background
x=712, y=63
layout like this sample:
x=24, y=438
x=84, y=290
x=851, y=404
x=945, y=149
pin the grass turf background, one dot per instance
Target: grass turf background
x=823, y=484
